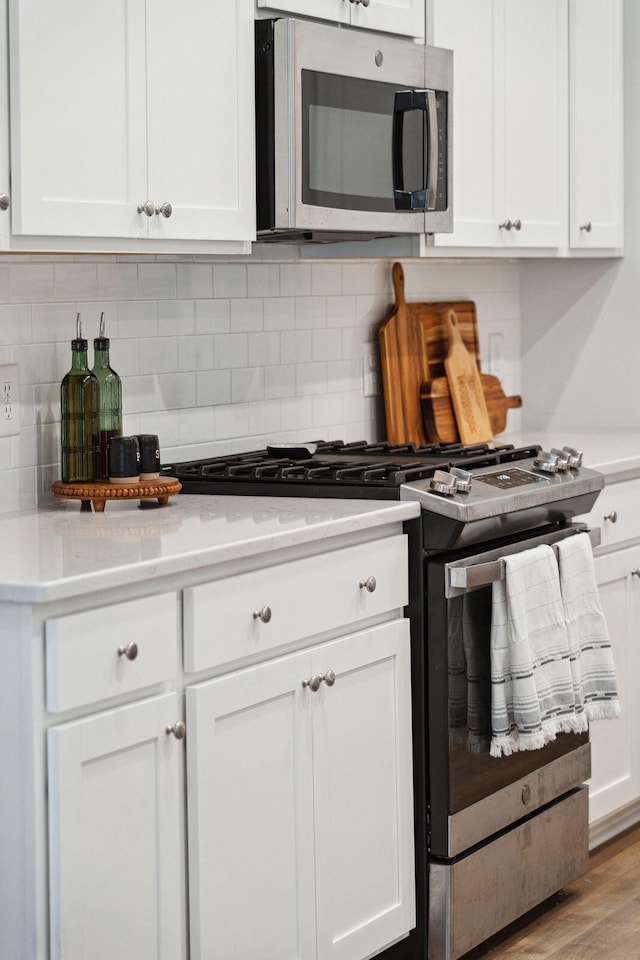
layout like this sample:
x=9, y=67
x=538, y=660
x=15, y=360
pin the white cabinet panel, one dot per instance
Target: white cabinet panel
x=615, y=779
x=5, y=191
x=300, y=804
x=200, y=119
x=250, y=815
x=78, y=133
x=510, y=121
x=116, y=827
x=363, y=801
x=596, y=93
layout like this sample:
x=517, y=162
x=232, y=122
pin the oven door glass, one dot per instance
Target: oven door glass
x=461, y=769
x=364, y=144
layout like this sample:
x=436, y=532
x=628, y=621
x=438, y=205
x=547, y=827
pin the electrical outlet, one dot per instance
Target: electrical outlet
x=370, y=370
x=9, y=400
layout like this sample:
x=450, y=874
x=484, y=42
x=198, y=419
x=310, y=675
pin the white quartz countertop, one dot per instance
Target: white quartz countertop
x=58, y=552
x=615, y=454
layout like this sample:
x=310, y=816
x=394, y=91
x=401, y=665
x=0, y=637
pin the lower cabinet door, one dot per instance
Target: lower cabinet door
x=363, y=793
x=615, y=763
x=249, y=777
x=116, y=828
x=300, y=803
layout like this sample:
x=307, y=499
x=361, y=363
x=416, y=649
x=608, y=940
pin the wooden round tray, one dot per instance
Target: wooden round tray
x=97, y=494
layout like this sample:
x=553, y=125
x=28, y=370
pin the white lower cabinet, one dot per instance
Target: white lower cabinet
x=300, y=803
x=615, y=781
x=116, y=855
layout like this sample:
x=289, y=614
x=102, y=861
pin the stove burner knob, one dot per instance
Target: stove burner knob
x=463, y=479
x=547, y=462
x=444, y=483
x=564, y=459
x=575, y=457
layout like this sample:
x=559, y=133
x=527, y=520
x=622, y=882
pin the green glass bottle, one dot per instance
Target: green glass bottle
x=79, y=409
x=109, y=399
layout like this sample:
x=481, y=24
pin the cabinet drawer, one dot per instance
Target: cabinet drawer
x=87, y=657
x=617, y=512
x=298, y=599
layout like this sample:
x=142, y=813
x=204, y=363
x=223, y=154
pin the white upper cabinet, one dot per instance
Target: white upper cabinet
x=596, y=124
x=132, y=119
x=510, y=121
x=5, y=195
x=406, y=17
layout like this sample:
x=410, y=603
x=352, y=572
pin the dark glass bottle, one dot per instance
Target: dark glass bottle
x=109, y=399
x=79, y=409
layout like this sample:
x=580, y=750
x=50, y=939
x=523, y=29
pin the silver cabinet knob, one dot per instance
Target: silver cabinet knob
x=165, y=210
x=365, y=3
x=263, y=614
x=635, y=573
x=4, y=201
x=586, y=226
x=313, y=683
x=612, y=516
x=517, y=224
x=130, y=651
x=329, y=677
x=177, y=729
x=148, y=208
x=369, y=584
x=505, y=225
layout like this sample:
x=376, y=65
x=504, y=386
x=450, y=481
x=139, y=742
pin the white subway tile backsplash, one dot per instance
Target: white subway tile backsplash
x=220, y=356
x=176, y=318
x=31, y=282
x=246, y=315
x=117, y=281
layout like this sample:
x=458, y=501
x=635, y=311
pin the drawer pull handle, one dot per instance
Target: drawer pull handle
x=177, y=729
x=263, y=614
x=313, y=682
x=612, y=515
x=369, y=584
x=329, y=677
x=130, y=651
x=635, y=573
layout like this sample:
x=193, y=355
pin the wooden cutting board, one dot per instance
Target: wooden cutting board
x=465, y=388
x=413, y=345
x=437, y=411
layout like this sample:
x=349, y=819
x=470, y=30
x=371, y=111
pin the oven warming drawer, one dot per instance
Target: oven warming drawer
x=517, y=800
x=477, y=895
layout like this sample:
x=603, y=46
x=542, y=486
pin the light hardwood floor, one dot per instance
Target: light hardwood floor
x=596, y=918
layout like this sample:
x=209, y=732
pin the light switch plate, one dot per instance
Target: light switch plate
x=370, y=370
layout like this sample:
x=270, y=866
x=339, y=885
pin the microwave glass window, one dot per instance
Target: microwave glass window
x=347, y=143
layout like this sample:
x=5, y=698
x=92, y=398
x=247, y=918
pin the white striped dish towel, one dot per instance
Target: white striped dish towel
x=532, y=684
x=595, y=687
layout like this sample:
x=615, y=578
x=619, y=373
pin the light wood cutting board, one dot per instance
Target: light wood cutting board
x=465, y=388
x=437, y=411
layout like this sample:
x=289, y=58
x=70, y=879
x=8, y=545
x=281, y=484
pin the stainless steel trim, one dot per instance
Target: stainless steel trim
x=506, y=806
x=486, y=568
x=465, y=909
x=432, y=120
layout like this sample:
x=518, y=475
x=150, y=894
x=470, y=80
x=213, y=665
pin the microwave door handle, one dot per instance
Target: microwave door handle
x=404, y=101
x=432, y=171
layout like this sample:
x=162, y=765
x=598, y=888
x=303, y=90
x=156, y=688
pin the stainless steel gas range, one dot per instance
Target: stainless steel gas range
x=494, y=836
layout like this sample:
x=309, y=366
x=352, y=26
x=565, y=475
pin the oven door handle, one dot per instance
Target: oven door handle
x=469, y=575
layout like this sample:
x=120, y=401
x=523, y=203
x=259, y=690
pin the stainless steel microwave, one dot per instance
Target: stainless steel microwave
x=353, y=133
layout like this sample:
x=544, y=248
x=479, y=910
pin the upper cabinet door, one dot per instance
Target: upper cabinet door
x=534, y=53
x=509, y=121
x=78, y=117
x=596, y=124
x=5, y=196
x=200, y=119
x=406, y=17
